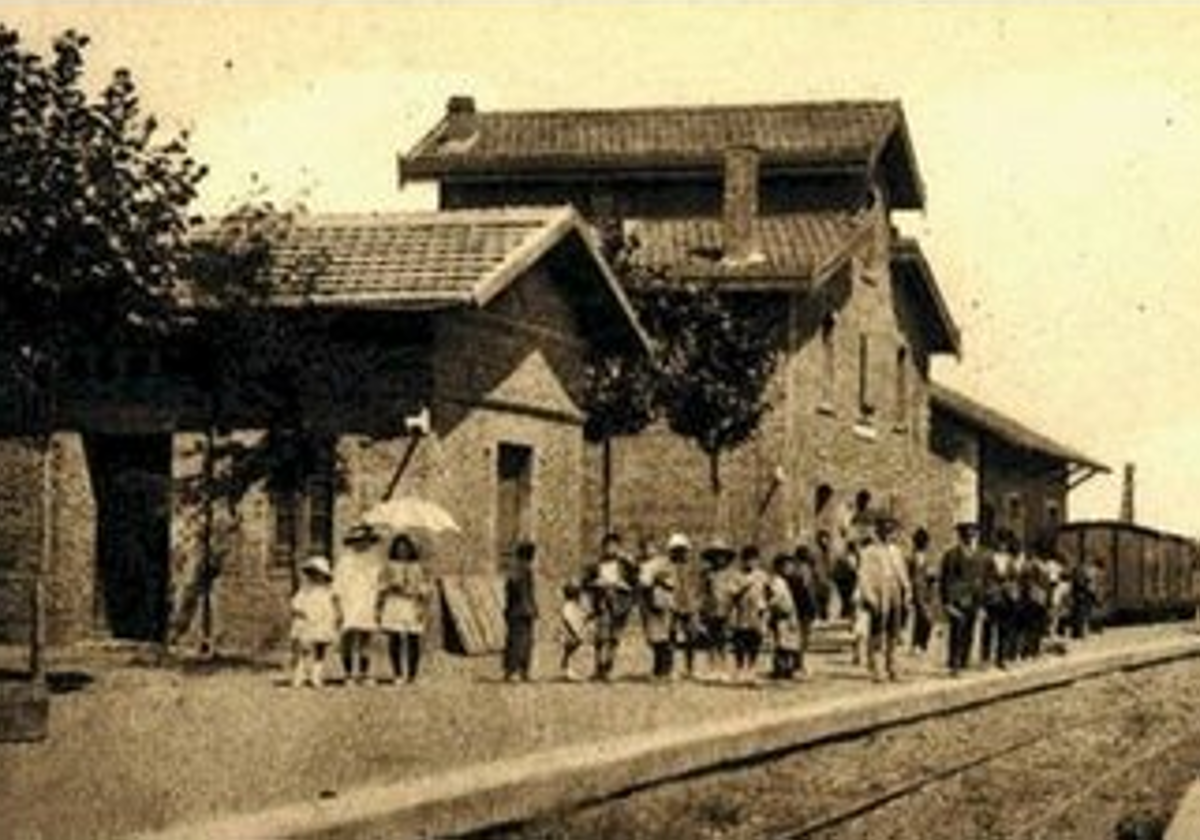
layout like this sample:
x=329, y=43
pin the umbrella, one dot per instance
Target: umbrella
x=409, y=513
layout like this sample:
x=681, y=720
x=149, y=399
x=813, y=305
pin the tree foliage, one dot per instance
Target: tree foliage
x=93, y=208
x=711, y=360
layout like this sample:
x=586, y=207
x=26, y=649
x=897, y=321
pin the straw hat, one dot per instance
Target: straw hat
x=317, y=565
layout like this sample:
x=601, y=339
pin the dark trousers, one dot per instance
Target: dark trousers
x=518, y=646
x=999, y=626
x=663, y=659
x=961, y=636
x=784, y=664
x=404, y=651
x=746, y=645
x=922, y=628
x=685, y=636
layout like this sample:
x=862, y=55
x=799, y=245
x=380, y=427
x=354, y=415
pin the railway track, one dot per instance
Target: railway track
x=1025, y=768
x=1015, y=753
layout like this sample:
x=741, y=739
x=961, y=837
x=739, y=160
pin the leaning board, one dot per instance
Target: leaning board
x=475, y=604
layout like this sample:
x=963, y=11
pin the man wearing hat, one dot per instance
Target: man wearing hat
x=961, y=591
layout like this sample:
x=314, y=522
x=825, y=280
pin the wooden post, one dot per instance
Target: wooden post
x=37, y=618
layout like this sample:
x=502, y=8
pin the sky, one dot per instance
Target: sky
x=1059, y=144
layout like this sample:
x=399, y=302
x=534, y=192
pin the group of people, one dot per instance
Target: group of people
x=1017, y=600
x=366, y=592
x=727, y=604
x=716, y=608
x=730, y=605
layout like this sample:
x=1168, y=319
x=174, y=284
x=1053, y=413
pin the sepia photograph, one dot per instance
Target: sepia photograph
x=547, y=419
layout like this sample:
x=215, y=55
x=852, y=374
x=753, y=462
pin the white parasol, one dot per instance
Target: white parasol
x=409, y=513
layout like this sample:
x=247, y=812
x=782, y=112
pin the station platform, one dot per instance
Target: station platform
x=234, y=753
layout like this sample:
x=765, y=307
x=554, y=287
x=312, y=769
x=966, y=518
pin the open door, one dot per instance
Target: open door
x=131, y=477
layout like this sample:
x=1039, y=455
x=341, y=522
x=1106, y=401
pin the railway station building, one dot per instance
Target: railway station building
x=476, y=326
x=1001, y=473
x=788, y=210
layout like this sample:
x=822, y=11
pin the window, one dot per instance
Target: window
x=828, y=362
x=866, y=403
x=303, y=512
x=901, y=406
x=1053, y=514
x=514, y=496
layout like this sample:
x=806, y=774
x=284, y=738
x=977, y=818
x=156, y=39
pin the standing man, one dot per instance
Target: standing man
x=962, y=567
x=884, y=589
x=520, y=613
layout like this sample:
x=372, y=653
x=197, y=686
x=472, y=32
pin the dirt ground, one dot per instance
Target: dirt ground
x=137, y=747
x=1105, y=753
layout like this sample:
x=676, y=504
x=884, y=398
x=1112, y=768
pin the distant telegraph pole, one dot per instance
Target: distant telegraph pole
x=1127, y=493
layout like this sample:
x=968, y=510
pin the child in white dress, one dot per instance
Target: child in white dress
x=315, y=620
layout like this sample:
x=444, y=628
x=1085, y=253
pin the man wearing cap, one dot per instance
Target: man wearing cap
x=962, y=568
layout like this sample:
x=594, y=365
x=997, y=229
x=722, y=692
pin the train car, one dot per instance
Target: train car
x=1142, y=574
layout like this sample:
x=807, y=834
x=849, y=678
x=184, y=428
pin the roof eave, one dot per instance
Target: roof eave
x=978, y=416
x=567, y=167
x=949, y=339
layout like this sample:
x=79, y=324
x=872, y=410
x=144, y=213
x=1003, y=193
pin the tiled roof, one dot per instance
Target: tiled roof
x=441, y=260
x=796, y=248
x=1006, y=428
x=800, y=134
x=411, y=260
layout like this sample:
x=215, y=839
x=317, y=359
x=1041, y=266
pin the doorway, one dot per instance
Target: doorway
x=131, y=477
x=514, y=486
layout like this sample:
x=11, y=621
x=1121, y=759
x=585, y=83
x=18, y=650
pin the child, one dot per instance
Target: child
x=315, y=620
x=748, y=618
x=784, y=619
x=520, y=613
x=716, y=602
x=611, y=593
x=575, y=619
x=403, y=604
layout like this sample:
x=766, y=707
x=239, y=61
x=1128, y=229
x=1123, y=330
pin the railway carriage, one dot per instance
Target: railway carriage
x=1144, y=574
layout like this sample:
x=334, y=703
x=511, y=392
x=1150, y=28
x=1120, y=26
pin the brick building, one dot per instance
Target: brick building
x=483, y=318
x=1002, y=473
x=788, y=209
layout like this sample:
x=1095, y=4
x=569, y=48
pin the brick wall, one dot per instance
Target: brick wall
x=505, y=376
x=815, y=433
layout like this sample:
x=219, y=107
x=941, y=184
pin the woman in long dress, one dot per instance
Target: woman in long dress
x=356, y=581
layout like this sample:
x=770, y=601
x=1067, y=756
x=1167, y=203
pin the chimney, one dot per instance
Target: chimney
x=739, y=243
x=460, y=118
x=1127, y=493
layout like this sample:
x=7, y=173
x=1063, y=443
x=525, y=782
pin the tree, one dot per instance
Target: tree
x=93, y=221
x=265, y=363
x=712, y=359
x=619, y=399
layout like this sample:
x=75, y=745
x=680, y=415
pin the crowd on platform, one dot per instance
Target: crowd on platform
x=715, y=612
